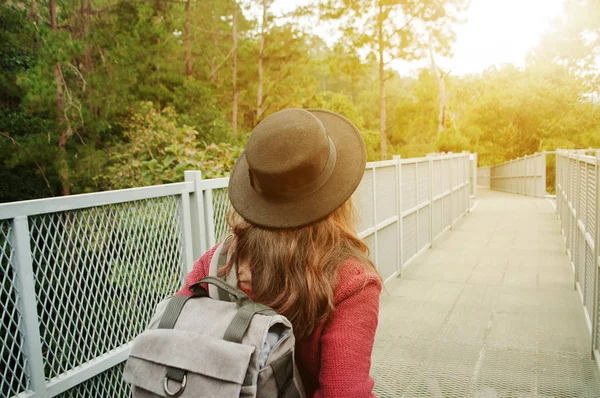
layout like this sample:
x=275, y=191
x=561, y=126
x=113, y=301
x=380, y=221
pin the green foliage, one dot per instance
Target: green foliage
x=158, y=149
x=16, y=51
x=340, y=103
x=196, y=105
x=132, y=115
x=373, y=143
x=451, y=140
x=508, y=112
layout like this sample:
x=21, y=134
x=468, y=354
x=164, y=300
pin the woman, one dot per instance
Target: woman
x=295, y=247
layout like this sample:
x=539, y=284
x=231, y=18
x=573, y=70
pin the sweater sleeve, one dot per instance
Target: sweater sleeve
x=348, y=337
x=199, y=271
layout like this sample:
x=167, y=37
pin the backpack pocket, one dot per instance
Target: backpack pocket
x=210, y=366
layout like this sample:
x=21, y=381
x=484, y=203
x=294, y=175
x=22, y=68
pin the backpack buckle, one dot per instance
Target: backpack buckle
x=179, y=391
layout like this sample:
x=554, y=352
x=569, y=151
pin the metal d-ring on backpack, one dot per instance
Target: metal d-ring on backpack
x=218, y=345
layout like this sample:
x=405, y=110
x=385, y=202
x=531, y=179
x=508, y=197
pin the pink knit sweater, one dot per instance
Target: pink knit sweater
x=335, y=360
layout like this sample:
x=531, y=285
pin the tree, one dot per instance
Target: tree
x=394, y=29
x=265, y=4
x=235, y=92
x=442, y=85
x=574, y=40
x=189, y=61
x=508, y=112
x=61, y=117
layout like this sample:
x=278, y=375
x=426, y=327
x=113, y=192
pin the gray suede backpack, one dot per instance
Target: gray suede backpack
x=218, y=343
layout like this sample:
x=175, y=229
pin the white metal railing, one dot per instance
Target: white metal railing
x=578, y=207
x=483, y=176
x=473, y=175
x=81, y=275
x=524, y=176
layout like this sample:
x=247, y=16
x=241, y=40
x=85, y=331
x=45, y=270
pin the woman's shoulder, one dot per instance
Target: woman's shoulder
x=200, y=270
x=354, y=277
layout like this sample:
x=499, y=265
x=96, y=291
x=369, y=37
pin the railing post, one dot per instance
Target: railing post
x=431, y=201
x=467, y=181
x=474, y=174
x=197, y=213
x=399, y=252
x=575, y=246
x=451, y=191
x=209, y=218
x=557, y=171
x=595, y=329
x=375, y=237
x=186, y=222
x=417, y=203
x=544, y=164
x=443, y=225
x=25, y=278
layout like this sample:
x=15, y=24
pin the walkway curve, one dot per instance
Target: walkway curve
x=489, y=312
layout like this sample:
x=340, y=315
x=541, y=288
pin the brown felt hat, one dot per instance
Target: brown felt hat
x=298, y=167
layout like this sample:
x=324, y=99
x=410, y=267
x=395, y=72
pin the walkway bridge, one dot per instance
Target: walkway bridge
x=487, y=294
x=490, y=312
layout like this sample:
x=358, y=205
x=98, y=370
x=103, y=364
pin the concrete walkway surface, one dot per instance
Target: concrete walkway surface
x=489, y=312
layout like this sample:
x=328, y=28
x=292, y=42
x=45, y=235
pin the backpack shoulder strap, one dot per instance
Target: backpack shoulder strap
x=218, y=260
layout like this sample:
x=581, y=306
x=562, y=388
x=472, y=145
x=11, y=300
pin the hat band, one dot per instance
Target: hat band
x=300, y=191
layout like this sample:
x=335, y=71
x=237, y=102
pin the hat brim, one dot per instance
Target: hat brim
x=346, y=176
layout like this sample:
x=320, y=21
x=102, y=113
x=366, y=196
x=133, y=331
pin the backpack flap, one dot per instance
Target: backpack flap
x=214, y=365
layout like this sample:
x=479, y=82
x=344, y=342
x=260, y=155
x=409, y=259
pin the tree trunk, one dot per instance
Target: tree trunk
x=65, y=130
x=442, y=85
x=189, y=62
x=214, y=68
x=234, y=101
x=382, y=114
x=261, y=50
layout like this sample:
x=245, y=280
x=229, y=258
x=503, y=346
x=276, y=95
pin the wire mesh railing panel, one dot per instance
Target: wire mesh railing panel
x=590, y=220
x=447, y=211
x=437, y=218
x=12, y=358
x=524, y=176
x=99, y=273
x=370, y=242
x=409, y=236
x=483, y=176
x=221, y=205
x=453, y=171
x=437, y=177
x=582, y=203
x=580, y=258
x=576, y=192
x=386, y=192
x=446, y=175
x=598, y=323
x=424, y=227
x=572, y=180
x=423, y=183
x=460, y=199
x=387, y=245
x=109, y=383
x=574, y=234
x=463, y=170
x=409, y=186
x=589, y=279
x=363, y=200
x=455, y=199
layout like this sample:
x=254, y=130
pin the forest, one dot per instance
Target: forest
x=111, y=94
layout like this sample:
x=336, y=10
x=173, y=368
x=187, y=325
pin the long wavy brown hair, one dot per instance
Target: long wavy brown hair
x=294, y=271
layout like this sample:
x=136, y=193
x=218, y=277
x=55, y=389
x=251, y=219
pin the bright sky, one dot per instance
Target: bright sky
x=496, y=32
